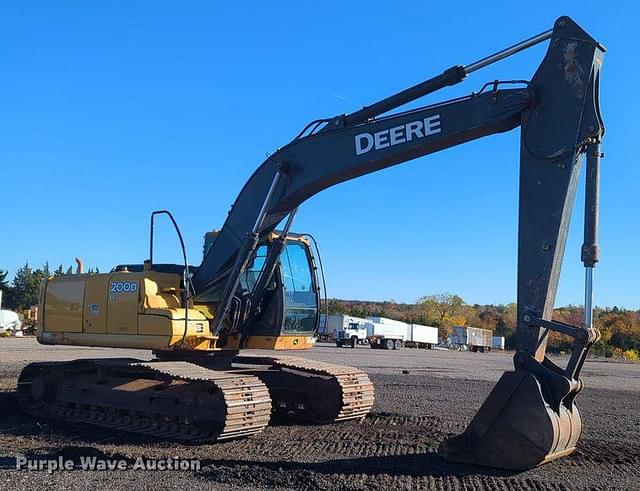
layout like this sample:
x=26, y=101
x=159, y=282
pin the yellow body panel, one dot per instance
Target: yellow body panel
x=279, y=342
x=94, y=313
x=122, y=304
x=105, y=340
x=161, y=291
x=122, y=310
x=170, y=323
x=63, y=306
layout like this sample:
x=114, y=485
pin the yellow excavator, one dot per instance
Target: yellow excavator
x=258, y=284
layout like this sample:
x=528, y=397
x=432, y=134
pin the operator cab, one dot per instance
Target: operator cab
x=290, y=303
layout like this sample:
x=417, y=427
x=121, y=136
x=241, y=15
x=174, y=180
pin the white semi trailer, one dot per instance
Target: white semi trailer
x=392, y=334
x=419, y=336
x=386, y=333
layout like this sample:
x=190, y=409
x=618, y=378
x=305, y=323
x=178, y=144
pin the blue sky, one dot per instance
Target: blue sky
x=110, y=110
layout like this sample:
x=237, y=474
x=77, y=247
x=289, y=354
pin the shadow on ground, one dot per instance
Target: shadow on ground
x=291, y=473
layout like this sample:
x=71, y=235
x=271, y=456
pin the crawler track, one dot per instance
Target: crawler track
x=170, y=400
x=357, y=393
x=314, y=391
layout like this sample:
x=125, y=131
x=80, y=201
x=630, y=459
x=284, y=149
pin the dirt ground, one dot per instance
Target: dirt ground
x=394, y=448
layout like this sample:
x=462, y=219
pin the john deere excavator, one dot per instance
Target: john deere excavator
x=257, y=285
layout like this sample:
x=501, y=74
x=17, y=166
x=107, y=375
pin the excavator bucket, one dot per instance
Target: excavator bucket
x=530, y=417
x=521, y=424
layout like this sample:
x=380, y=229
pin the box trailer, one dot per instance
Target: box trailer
x=325, y=333
x=419, y=336
x=471, y=338
x=497, y=342
x=393, y=334
x=384, y=320
x=386, y=335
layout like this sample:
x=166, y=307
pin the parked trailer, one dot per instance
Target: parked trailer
x=384, y=320
x=325, y=333
x=497, y=342
x=419, y=336
x=472, y=338
x=386, y=335
x=392, y=334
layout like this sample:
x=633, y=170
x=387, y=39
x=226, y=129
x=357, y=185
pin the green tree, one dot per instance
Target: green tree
x=443, y=310
x=4, y=284
x=441, y=306
x=26, y=286
x=7, y=290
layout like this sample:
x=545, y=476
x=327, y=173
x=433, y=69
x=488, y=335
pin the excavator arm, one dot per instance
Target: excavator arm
x=530, y=416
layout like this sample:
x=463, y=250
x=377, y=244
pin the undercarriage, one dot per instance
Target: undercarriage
x=185, y=401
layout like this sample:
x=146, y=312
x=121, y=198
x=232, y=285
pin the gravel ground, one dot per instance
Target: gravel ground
x=393, y=448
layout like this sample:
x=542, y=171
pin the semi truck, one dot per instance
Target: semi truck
x=348, y=330
x=344, y=330
x=471, y=338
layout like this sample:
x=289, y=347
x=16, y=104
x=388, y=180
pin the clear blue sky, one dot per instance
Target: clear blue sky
x=112, y=109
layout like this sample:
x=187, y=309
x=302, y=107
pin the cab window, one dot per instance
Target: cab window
x=252, y=272
x=301, y=305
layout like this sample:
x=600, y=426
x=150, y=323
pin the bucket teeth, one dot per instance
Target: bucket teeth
x=523, y=423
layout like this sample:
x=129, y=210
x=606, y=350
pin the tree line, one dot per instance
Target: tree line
x=22, y=292
x=620, y=328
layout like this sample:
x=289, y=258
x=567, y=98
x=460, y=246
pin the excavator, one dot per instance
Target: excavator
x=258, y=284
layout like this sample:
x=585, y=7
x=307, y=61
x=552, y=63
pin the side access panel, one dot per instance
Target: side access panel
x=63, y=307
x=95, y=304
x=123, y=300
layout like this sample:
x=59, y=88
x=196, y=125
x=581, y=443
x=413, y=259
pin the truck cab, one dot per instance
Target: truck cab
x=354, y=333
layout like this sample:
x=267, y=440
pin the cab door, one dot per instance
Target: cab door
x=300, y=291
